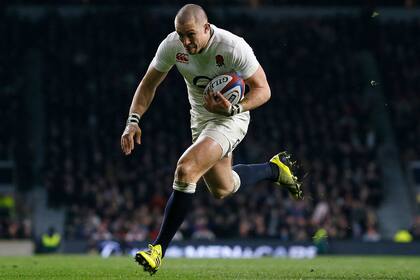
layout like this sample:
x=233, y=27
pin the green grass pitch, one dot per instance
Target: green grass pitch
x=94, y=267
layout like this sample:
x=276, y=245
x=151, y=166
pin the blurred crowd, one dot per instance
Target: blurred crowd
x=91, y=67
x=232, y=3
x=11, y=83
x=14, y=221
x=397, y=54
x=314, y=113
x=12, y=224
x=270, y=3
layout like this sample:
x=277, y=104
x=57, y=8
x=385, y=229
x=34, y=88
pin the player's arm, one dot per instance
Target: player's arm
x=146, y=90
x=259, y=91
x=258, y=94
x=244, y=62
x=141, y=101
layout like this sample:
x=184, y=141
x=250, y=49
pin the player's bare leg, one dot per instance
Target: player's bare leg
x=195, y=162
x=219, y=179
x=223, y=180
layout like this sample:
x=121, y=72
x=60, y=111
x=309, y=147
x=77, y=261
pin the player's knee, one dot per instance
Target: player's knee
x=220, y=193
x=184, y=171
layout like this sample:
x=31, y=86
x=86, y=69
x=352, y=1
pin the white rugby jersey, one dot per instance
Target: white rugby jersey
x=224, y=53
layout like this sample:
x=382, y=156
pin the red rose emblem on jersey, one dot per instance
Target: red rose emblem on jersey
x=220, y=61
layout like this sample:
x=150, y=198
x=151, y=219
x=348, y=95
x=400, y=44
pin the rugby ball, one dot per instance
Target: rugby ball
x=230, y=85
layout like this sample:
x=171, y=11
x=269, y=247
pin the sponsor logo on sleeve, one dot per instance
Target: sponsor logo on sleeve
x=182, y=57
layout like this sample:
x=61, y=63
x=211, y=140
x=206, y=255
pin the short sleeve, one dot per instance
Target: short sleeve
x=164, y=58
x=244, y=61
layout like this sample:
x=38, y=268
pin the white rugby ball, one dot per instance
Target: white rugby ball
x=230, y=85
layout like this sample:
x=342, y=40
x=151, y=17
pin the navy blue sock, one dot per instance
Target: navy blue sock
x=176, y=209
x=251, y=174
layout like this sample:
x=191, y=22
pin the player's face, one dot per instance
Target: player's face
x=194, y=36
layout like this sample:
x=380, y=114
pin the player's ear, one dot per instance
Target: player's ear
x=207, y=27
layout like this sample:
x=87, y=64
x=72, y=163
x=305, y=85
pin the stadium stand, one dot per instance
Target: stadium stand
x=94, y=63
x=12, y=224
x=92, y=66
x=11, y=84
x=396, y=54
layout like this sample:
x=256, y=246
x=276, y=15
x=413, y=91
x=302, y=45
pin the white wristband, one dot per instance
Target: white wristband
x=133, y=118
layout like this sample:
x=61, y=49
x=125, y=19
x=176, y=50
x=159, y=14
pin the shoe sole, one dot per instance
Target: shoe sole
x=146, y=267
x=296, y=188
x=285, y=158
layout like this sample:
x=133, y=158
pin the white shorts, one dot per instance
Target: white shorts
x=227, y=132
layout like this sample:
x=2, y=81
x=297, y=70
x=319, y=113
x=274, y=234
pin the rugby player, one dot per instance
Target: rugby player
x=202, y=51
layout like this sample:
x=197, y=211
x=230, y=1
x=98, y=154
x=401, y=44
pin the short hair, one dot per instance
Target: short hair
x=191, y=12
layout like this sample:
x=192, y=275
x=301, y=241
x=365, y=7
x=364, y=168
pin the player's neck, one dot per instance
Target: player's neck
x=208, y=40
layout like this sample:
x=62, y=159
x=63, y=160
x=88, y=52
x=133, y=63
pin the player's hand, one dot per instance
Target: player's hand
x=215, y=102
x=131, y=131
